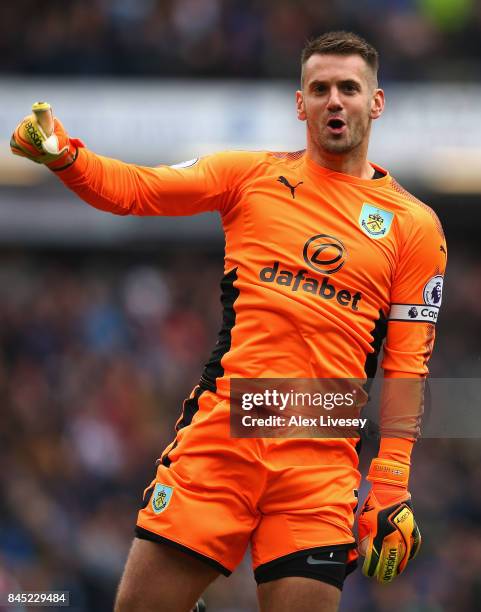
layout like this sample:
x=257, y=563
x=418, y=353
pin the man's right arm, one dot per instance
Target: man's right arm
x=128, y=189
x=208, y=184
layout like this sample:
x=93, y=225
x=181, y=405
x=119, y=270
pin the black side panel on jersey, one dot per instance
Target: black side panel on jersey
x=370, y=367
x=213, y=368
x=378, y=334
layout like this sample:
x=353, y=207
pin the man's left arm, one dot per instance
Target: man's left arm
x=388, y=534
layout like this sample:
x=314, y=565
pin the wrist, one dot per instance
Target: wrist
x=67, y=158
x=396, y=449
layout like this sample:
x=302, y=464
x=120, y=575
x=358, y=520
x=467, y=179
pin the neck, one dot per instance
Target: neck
x=353, y=163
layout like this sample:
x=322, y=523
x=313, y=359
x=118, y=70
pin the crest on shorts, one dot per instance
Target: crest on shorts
x=375, y=222
x=161, y=497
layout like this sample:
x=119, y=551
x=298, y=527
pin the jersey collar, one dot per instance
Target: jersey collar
x=315, y=168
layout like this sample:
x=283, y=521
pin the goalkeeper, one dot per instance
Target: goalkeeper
x=327, y=257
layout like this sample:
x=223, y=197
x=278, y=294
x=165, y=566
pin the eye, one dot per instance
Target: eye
x=350, y=88
x=319, y=88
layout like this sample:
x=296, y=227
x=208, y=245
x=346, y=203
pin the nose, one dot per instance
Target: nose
x=334, y=102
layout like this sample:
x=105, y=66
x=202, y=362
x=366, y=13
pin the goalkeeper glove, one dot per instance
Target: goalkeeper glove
x=388, y=534
x=42, y=138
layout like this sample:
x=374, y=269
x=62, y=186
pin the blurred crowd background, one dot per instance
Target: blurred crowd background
x=101, y=339
x=418, y=39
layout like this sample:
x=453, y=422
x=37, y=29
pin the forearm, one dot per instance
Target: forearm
x=208, y=184
x=396, y=449
x=112, y=185
x=123, y=189
x=402, y=407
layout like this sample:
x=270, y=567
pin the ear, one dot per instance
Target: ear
x=301, y=112
x=377, y=103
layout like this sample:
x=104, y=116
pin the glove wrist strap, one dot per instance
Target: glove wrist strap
x=388, y=472
x=68, y=158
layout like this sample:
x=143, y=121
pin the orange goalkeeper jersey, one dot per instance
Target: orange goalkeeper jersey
x=319, y=265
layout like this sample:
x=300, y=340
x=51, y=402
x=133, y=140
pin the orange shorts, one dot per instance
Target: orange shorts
x=213, y=494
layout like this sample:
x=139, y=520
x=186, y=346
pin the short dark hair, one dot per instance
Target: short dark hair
x=341, y=43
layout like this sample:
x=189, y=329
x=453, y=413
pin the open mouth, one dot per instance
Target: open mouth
x=336, y=125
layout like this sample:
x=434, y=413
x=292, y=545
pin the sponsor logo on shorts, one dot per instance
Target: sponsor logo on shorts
x=313, y=561
x=161, y=497
x=375, y=222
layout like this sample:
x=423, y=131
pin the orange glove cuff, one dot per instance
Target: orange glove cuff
x=68, y=157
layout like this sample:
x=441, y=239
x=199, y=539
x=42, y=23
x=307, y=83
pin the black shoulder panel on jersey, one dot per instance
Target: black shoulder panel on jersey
x=213, y=368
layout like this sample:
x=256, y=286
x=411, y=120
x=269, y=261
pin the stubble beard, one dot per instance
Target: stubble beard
x=337, y=146
x=345, y=143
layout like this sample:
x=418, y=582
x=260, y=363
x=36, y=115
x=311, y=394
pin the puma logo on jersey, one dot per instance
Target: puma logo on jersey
x=284, y=181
